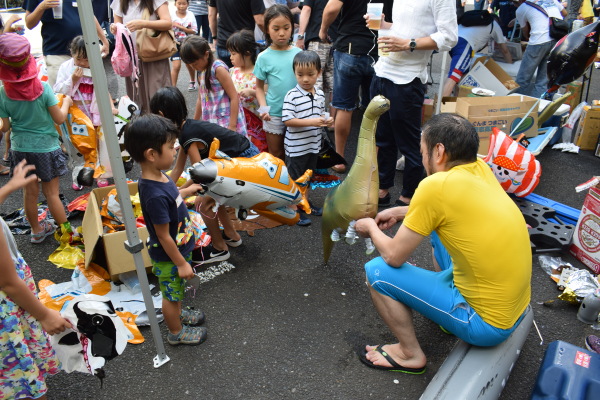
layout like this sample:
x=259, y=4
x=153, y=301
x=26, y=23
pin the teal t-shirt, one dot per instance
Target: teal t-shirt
x=276, y=67
x=33, y=130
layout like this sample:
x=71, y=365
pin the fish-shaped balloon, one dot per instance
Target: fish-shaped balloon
x=572, y=55
x=357, y=196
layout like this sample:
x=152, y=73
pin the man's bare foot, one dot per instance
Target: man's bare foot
x=397, y=354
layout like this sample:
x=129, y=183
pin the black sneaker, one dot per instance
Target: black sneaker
x=208, y=254
x=316, y=211
x=385, y=201
x=230, y=242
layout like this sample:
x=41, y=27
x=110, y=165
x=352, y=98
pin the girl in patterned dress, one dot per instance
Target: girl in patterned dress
x=26, y=357
x=243, y=49
x=218, y=101
x=75, y=79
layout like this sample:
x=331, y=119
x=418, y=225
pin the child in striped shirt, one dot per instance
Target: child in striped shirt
x=304, y=117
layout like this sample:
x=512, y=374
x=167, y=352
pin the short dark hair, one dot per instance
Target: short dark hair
x=243, y=42
x=149, y=131
x=171, y=103
x=307, y=58
x=456, y=133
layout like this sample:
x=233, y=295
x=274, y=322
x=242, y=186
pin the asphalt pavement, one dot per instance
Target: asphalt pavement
x=282, y=325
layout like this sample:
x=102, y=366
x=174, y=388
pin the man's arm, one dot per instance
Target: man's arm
x=330, y=13
x=33, y=18
x=259, y=20
x=212, y=20
x=505, y=53
x=304, y=17
x=394, y=251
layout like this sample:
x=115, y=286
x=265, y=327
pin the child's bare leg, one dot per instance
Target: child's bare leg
x=172, y=313
x=227, y=224
x=275, y=145
x=56, y=207
x=212, y=223
x=30, y=200
x=192, y=72
x=175, y=67
x=6, y=146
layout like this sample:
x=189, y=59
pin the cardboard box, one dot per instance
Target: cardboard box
x=428, y=110
x=588, y=129
x=108, y=250
x=488, y=112
x=515, y=50
x=574, y=99
x=448, y=105
x=586, y=239
x=487, y=74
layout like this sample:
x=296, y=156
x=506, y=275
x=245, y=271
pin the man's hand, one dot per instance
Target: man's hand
x=46, y=4
x=364, y=225
x=390, y=217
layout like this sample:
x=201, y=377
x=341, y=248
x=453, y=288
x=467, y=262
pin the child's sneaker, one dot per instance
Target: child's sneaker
x=316, y=211
x=592, y=343
x=192, y=317
x=47, y=230
x=76, y=187
x=188, y=335
x=102, y=182
x=208, y=254
x=304, y=220
x=230, y=242
x=192, y=86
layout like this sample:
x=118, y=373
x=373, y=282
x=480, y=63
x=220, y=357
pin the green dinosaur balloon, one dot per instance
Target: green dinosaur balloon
x=357, y=196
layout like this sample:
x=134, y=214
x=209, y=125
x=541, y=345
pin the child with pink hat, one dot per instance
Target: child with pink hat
x=29, y=107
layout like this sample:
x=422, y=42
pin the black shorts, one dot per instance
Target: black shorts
x=47, y=165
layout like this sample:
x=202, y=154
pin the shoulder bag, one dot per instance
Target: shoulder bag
x=154, y=45
x=558, y=27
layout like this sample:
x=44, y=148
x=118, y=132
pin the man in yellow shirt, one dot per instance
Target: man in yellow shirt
x=480, y=243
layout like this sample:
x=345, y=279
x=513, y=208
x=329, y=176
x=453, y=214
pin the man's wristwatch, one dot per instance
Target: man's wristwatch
x=300, y=36
x=412, y=45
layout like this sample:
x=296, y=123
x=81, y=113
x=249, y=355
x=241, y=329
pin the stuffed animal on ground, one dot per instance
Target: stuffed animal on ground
x=260, y=183
x=358, y=195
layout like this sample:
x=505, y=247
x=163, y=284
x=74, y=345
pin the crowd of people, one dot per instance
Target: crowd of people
x=280, y=96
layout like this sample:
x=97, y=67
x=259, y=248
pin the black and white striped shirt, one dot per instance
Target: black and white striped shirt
x=299, y=103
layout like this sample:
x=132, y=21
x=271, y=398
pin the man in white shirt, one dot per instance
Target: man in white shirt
x=535, y=27
x=472, y=39
x=419, y=27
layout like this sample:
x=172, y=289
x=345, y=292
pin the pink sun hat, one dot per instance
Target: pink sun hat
x=18, y=68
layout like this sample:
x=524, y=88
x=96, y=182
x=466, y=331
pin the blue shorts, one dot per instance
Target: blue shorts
x=460, y=64
x=434, y=295
x=349, y=73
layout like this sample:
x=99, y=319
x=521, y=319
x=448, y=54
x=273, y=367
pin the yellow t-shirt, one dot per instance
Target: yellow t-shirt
x=484, y=233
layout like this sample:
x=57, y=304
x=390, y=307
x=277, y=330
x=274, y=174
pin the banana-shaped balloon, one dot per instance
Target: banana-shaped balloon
x=357, y=196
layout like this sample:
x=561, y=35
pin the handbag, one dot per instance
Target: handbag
x=154, y=45
x=557, y=27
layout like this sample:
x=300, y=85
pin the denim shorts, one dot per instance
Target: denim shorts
x=434, y=295
x=349, y=73
x=250, y=151
x=172, y=286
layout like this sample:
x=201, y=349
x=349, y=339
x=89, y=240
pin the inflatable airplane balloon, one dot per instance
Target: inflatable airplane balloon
x=260, y=183
x=357, y=196
x=572, y=55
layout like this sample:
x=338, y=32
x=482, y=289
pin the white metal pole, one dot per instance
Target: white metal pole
x=133, y=244
x=438, y=103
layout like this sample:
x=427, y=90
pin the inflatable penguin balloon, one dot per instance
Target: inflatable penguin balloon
x=572, y=55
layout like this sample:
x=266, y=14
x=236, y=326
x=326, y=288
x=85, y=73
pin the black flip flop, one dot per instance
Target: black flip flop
x=395, y=367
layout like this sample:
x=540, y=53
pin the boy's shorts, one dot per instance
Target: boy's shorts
x=176, y=56
x=434, y=295
x=297, y=166
x=47, y=165
x=172, y=286
x=274, y=126
x=460, y=64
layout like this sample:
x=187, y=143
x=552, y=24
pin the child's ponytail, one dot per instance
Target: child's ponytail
x=192, y=49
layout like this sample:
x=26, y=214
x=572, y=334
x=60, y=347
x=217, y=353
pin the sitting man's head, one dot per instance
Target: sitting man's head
x=448, y=140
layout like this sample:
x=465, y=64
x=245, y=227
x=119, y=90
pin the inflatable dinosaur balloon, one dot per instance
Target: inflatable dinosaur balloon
x=572, y=55
x=357, y=196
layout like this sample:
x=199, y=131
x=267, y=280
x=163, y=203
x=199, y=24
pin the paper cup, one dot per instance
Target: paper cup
x=383, y=33
x=374, y=10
